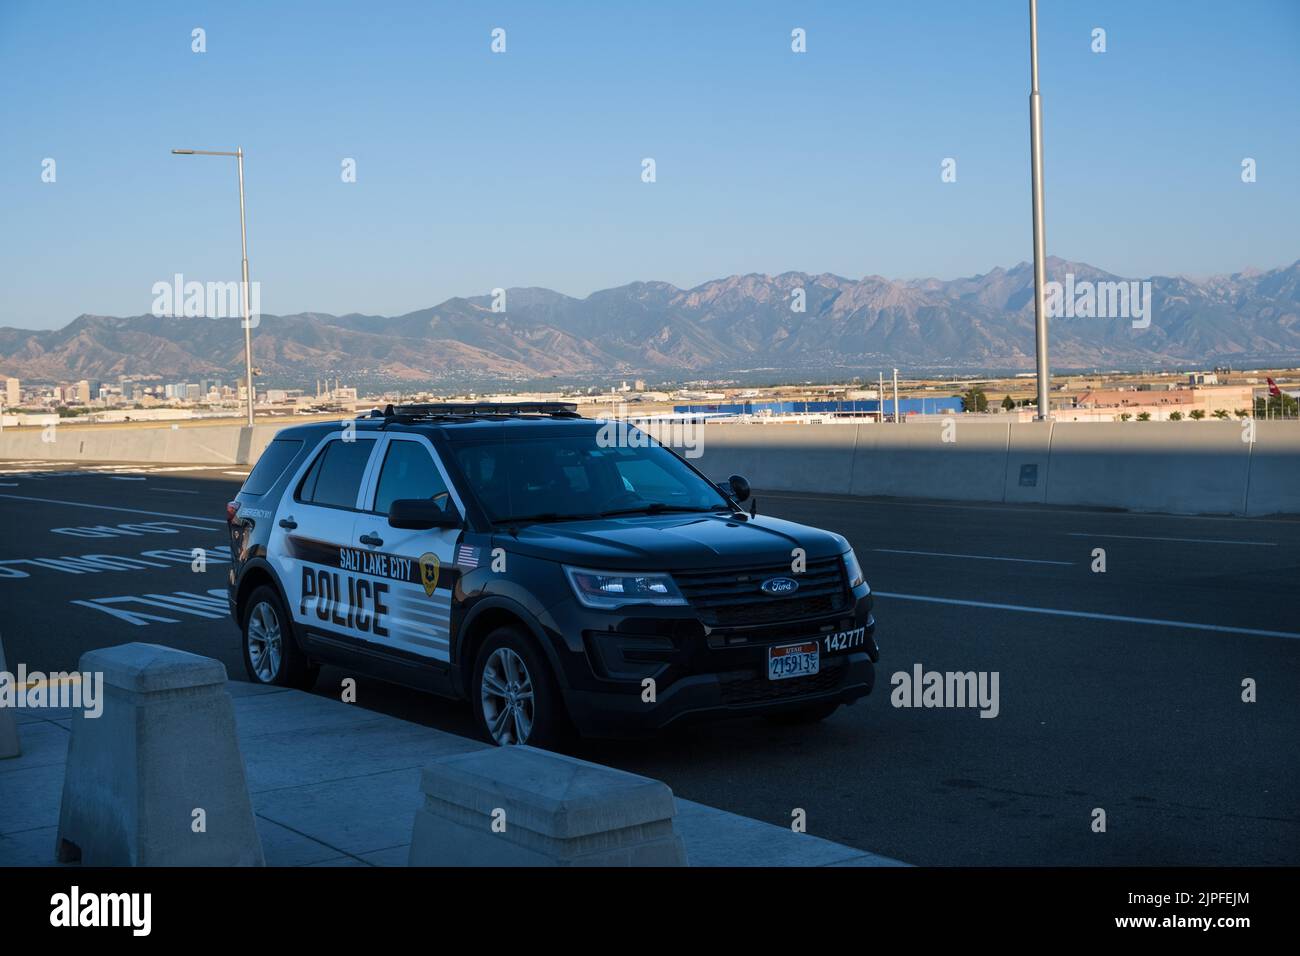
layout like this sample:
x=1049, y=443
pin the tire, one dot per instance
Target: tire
x=515, y=667
x=271, y=654
x=808, y=714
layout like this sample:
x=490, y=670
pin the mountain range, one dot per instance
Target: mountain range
x=739, y=323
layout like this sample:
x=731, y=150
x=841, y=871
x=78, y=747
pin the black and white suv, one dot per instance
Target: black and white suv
x=508, y=555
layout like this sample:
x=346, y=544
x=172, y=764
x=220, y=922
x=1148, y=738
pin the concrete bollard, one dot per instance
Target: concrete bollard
x=519, y=806
x=9, y=744
x=157, y=778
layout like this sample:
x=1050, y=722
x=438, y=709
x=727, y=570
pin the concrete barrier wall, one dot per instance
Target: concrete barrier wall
x=1029, y=448
x=789, y=457
x=1174, y=467
x=1171, y=467
x=958, y=460
x=1274, y=477
x=192, y=445
x=1180, y=467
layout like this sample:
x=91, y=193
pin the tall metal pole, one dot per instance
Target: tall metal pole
x=1040, y=240
x=896, y=418
x=244, y=287
x=880, y=404
x=248, y=327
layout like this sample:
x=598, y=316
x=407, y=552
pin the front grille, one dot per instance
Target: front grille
x=733, y=599
x=751, y=687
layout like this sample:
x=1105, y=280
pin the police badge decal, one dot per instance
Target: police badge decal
x=429, y=568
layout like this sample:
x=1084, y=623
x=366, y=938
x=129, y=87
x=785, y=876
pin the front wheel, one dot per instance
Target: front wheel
x=271, y=655
x=515, y=697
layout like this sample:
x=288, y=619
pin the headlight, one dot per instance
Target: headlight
x=853, y=569
x=611, y=589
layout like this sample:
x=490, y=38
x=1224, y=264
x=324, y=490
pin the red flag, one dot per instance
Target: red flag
x=1272, y=387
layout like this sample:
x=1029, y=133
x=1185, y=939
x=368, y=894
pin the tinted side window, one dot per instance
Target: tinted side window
x=335, y=478
x=271, y=466
x=307, y=486
x=408, y=472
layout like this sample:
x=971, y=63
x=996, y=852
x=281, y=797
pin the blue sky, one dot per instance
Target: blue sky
x=477, y=170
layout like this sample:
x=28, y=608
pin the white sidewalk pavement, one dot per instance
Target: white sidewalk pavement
x=335, y=785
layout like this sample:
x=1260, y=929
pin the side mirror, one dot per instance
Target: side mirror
x=421, y=514
x=739, y=487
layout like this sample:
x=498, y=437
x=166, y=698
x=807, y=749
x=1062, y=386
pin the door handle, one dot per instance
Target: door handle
x=371, y=539
x=288, y=523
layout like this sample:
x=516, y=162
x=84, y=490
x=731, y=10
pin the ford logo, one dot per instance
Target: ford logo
x=779, y=586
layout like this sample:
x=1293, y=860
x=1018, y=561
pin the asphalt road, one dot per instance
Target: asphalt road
x=1126, y=698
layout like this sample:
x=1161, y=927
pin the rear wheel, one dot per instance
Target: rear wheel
x=271, y=655
x=516, y=700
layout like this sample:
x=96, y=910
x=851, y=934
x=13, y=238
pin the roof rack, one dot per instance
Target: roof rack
x=461, y=411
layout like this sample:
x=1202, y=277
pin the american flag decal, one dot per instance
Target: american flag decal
x=467, y=556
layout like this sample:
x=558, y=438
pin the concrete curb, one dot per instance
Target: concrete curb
x=519, y=806
x=156, y=779
x=332, y=784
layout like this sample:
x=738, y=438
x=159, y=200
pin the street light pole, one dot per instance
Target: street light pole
x=248, y=325
x=1040, y=240
x=244, y=288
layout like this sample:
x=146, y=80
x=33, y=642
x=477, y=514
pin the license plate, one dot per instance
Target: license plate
x=793, y=660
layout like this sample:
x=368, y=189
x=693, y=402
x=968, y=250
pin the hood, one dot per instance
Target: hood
x=678, y=542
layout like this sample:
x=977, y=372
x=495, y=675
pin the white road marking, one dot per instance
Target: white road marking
x=165, y=558
x=134, y=511
x=1091, y=615
x=103, y=470
x=213, y=605
x=178, y=491
x=974, y=557
x=1144, y=537
x=123, y=478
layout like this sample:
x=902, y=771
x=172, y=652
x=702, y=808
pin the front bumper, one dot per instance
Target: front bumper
x=698, y=673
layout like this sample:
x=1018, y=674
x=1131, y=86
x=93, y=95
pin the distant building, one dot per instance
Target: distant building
x=1158, y=403
x=12, y=394
x=828, y=409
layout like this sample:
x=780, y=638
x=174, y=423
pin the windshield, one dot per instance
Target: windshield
x=558, y=478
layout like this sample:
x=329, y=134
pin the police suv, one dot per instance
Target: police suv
x=514, y=556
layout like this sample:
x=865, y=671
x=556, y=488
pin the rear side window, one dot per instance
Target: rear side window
x=271, y=466
x=408, y=472
x=335, y=476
